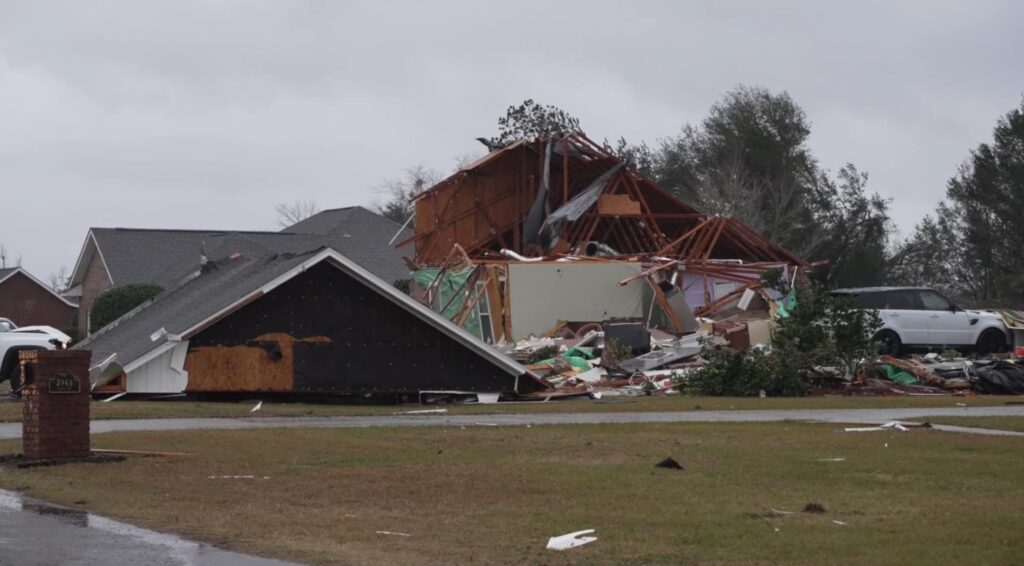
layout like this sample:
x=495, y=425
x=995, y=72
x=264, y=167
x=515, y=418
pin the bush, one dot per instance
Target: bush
x=116, y=301
x=736, y=373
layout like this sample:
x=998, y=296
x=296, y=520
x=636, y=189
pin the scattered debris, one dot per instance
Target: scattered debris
x=139, y=452
x=423, y=412
x=669, y=464
x=816, y=508
x=257, y=407
x=893, y=425
x=238, y=477
x=571, y=540
x=397, y=534
x=840, y=459
x=839, y=522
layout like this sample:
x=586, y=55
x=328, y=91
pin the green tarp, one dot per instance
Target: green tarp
x=452, y=284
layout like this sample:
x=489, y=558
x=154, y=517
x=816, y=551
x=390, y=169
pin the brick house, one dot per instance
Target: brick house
x=28, y=301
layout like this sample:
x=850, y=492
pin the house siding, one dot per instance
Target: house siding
x=95, y=282
x=26, y=303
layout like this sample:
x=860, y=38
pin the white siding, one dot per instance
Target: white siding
x=160, y=375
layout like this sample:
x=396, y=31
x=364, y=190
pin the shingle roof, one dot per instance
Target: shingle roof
x=361, y=235
x=176, y=310
x=167, y=257
x=156, y=257
x=5, y=271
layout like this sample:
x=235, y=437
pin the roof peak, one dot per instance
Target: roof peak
x=186, y=230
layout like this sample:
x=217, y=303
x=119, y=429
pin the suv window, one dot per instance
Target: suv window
x=6, y=326
x=873, y=301
x=934, y=301
x=904, y=300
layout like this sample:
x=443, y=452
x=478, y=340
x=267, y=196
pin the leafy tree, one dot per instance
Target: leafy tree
x=970, y=247
x=749, y=158
x=530, y=120
x=854, y=229
x=116, y=301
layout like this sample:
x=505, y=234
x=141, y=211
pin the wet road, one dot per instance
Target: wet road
x=873, y=416
x=33, y=532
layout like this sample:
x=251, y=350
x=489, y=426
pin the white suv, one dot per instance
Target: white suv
x=918, y=317
x=14, y=339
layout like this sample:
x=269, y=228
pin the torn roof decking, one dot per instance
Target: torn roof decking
x=485, y=207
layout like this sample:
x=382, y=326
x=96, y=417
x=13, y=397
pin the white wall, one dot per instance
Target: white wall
x=544, y=293
x=163, y=374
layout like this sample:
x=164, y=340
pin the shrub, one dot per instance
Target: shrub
x=116, y=301
x=736, y=373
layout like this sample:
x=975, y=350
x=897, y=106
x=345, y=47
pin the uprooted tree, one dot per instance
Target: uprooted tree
x=822, y=335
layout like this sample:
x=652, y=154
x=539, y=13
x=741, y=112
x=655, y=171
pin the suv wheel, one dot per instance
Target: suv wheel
x=889, y=343
x=991, y=341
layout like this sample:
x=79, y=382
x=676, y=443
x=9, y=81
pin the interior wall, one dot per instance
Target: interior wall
x=541, y=294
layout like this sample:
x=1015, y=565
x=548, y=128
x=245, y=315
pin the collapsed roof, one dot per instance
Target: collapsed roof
x=567, y=195
x=247, y=274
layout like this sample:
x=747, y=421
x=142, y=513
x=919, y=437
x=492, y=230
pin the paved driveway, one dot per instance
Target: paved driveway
x=33, y=532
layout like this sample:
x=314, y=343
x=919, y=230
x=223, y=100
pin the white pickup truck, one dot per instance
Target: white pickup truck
x=14, y=339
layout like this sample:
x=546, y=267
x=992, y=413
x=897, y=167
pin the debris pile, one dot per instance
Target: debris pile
x=931, y=374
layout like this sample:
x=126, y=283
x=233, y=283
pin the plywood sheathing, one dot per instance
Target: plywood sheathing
x=265, y=363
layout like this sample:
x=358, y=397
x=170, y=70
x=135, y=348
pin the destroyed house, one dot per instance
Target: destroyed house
x=284, y=321
x=558, y=229
x=112, y=257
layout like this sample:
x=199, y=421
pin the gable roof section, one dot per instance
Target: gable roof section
x=8, y=272
x=231, y=283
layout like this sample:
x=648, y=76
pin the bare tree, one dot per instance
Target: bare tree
x=289, y=213
x=3, y=256
x=401, y=191
x=59, y=280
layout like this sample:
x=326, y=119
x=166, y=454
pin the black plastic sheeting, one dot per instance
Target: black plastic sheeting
x=997, y=377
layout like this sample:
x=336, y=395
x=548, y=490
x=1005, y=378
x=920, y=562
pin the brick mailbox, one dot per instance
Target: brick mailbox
x=55, y=404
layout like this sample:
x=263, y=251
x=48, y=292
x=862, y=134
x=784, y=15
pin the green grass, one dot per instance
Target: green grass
x=10, y=411
x=998, y=423
x=495, y=495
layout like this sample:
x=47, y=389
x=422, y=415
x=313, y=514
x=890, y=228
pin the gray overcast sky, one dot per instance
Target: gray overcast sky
x=204, y=114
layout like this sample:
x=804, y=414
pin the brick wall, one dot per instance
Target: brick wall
x=26, y=303
x=94, y=283
x=55, y=426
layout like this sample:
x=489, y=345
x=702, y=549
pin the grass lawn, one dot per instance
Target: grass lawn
x=10, y=411
x=1000, y=423
x=495, y=494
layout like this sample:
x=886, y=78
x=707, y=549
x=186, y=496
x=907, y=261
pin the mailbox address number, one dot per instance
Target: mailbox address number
x=64, y=382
